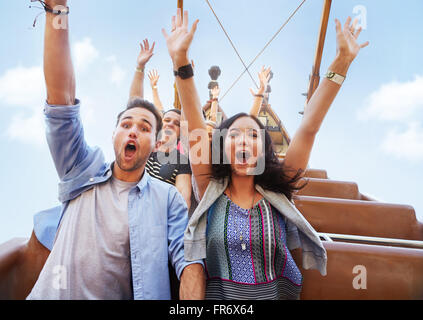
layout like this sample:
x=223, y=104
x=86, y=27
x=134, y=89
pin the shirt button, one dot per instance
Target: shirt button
x=91, y=179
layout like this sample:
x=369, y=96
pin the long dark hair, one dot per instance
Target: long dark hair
x=273, y=178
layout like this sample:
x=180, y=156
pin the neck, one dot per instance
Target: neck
x=128, y=176
x=166, y=149
x=242, y=185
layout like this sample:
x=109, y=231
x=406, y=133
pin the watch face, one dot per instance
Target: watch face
x=185, y=72
x=330, y=75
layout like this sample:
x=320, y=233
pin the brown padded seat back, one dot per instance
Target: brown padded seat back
x=366, y=218
x=316, y=173
x=388, y=273
x=329, y=189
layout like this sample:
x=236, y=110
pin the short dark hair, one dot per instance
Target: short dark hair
x=141, y=103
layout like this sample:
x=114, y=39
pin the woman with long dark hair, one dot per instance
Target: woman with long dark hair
x=245, y=224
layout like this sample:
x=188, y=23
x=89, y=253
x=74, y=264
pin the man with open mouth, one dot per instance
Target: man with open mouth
x=118, y=226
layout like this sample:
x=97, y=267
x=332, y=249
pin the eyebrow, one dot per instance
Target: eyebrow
x=248, y=129
x=132, y=118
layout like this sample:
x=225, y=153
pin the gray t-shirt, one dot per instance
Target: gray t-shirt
x=90, y=258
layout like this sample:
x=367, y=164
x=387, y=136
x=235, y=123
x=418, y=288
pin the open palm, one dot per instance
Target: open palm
x=146, y=53
x=180, y=39
x=346, y=39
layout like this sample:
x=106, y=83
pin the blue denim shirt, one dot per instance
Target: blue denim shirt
x=157, y=213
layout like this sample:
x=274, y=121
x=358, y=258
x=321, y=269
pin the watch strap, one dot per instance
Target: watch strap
x=184, y=72
x=335, y=77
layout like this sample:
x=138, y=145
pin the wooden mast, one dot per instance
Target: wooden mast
x=177, y=102
x=315, y=74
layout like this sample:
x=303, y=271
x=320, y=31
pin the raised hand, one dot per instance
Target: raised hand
x=180, y=38
x=215, y=92
x=53, y=3
x=264, y=77
x=346, y=39
x=145, y=54
x=154, y=76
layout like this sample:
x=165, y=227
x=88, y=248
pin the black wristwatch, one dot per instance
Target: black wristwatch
x=184, y=72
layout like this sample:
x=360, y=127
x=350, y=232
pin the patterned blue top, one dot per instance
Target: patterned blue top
x=247, y=255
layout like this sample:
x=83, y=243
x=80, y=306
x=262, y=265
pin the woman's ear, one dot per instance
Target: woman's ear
x=158, y=144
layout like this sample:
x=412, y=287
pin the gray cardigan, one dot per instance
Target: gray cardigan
x=300, y=234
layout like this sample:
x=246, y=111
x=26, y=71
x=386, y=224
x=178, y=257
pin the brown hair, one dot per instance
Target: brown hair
x=141, y=103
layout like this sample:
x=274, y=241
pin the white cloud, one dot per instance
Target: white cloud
x=23, y=87
x=398, y=105
x=406, y=144
x=29, y=130
x=117, y=73
x=84, y=54
x=395, y=101
x=24, y=90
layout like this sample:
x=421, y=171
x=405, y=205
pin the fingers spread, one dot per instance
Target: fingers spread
x=178, y=18
x=357, y=33
x=173, y=23
x=354, y=25
x=338, y=26
x=347, y=23
x=165, y=35
x=194, y=27
x=185, y=21
x=365, y=44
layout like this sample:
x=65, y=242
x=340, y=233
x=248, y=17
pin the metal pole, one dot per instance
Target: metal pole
x=177, y=102
x=375, y=240
x=315, y=75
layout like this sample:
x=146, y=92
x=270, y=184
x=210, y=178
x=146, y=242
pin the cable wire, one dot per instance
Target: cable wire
x=231, y=42
x=264, y=48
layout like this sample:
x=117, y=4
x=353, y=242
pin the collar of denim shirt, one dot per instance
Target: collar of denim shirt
x=141, y=184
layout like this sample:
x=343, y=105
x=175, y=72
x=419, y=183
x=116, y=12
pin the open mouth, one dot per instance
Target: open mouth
x=242, y=156
x=168, y=132
x=130, y=150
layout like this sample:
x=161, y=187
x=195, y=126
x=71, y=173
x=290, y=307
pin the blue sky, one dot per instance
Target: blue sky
x=373, y=134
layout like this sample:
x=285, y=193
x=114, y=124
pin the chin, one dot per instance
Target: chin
x=130, y=166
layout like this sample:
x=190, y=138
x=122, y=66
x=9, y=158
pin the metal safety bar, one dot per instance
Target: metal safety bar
x=402, y=242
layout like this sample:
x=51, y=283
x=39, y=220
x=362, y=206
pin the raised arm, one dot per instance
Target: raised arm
x=264, y=77
x=137, y=86
x=178, y=43
x=154, y=76
x=299, y=150
x=58, y=69
x=65, y=135
x=215, y=102
x=183, y=184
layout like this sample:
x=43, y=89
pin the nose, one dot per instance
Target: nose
x=133, y=132
x=242, y=140
x=170, y=125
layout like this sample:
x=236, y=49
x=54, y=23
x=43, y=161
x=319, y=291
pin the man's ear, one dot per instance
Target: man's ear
x=113, y=137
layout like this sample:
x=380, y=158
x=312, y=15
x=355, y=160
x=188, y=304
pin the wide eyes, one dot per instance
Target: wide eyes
x=167, y=120
x=125, y=125
x=142, y=127
x=250, y=133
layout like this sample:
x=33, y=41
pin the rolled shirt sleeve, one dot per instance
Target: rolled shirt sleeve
x=74, y=160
